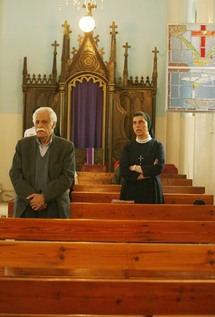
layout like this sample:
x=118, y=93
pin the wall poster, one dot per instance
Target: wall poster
x=191, y=67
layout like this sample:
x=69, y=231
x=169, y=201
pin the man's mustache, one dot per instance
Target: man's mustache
x=40, y=129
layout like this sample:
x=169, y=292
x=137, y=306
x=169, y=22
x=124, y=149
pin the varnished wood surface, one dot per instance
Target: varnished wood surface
x=101, y=197
x=84, y=210
x=130, y=258
x=107, y=230
x=137, y=211
x=135, y=297
x=116, y=188
x=75, y=277
x=105, y=178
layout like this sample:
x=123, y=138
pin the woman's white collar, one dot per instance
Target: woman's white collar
x=144, y=140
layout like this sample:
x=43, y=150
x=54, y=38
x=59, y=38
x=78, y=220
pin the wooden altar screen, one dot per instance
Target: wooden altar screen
x=118, y=99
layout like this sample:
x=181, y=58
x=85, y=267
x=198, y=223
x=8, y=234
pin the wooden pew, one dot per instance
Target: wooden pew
x=166, y=175
x=91, y=177
x=112, y=188
x=88, y=196
x=105, y=178
x=176, y=181
x=88, y=278
x=85, y=210
x=137, y=211
x=97, y=297
x=108, y=230
x=187, y=198
x=92, y=278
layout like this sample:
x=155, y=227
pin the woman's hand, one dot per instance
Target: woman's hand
x=136, y=168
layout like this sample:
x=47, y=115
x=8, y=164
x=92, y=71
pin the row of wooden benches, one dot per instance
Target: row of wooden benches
x=106, y=177
x=111, y=258
x=170, y=198
x=100, y=267
x=179, y=189
x=136, y=211
x=113, y=197
x=91, y=190
x=111, y=230
x=181, y=193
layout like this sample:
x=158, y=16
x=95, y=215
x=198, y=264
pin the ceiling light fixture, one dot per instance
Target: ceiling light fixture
x=87, y=23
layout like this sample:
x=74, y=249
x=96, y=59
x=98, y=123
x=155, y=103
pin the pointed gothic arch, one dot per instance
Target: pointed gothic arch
x=86, y=119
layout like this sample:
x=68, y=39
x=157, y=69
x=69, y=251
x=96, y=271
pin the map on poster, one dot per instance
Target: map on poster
x=191, y=67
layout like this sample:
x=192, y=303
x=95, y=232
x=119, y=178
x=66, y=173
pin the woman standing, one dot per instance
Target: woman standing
x=141, y=162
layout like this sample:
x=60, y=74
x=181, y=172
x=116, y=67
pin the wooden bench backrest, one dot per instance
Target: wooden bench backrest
x=142, y=211
x=81, y=196
x=96, y=298
x=126, y=259
x=105, y=178
x=176, y=181
x=137, y=211
x=116, y=188
x=94, y=177
x=105, y=278
x=106, y=230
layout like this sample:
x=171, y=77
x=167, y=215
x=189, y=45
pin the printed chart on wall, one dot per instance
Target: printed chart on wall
x=191, y=67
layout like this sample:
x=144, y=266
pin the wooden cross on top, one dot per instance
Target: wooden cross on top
x=89, y=6
x=126, y=46
x=155, y=51
x=66, y=27
x=55, y=46
x=113, y=26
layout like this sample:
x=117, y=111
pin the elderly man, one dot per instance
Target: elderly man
x=43, y=170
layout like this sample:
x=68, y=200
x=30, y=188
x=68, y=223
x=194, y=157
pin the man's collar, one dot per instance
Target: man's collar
x=43, y=145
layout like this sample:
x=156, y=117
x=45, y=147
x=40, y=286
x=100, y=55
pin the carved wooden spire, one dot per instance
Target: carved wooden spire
x=65, y=50
x=155, y=72
x=113, y=33
x=54, y=67
x=24, y=72
x=125, y=71
x=112, y=61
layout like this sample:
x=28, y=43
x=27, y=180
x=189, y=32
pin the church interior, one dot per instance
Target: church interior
x=111, y=258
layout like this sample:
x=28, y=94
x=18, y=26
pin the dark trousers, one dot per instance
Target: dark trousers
x=49, y=212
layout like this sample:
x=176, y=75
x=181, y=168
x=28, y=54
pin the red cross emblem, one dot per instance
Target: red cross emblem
x=203, y=33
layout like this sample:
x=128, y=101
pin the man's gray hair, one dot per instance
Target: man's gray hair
x=52, y=114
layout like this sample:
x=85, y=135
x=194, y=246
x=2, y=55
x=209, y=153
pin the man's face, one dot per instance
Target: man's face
x=44, y=127
x=140, y=126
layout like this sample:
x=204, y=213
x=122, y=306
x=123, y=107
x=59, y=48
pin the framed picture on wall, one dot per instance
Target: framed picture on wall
x=191, y=67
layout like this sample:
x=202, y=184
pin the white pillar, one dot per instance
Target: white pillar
x=204, y=11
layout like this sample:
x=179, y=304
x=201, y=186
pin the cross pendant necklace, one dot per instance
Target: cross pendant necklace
x=140, y=158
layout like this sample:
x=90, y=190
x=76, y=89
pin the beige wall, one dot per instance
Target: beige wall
x=10, y=132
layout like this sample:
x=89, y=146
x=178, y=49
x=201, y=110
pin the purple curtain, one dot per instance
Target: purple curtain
x=86, y=114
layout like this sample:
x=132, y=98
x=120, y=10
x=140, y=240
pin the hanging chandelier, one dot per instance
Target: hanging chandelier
x=87, y=22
